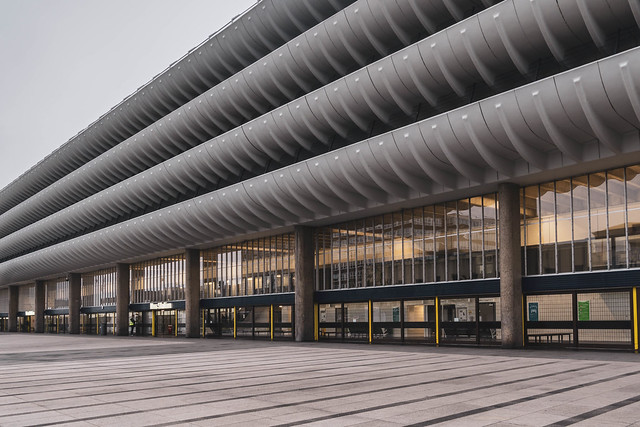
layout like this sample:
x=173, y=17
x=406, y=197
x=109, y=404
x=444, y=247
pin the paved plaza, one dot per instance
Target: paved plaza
x=83, y=380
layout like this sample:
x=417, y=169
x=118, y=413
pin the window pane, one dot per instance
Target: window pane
x=532, y=229
x=439, y=218
x=548, y=227
x=490, y=231
x=369, y=253
x=616, y=207
x=564, y=226
x=429, y=244
x=476, y=242
x=379, y=252
x=633, y=214
x=598, y=221
x=580, y=203
x=388, y=249
x=464, y=235
x=452, y=240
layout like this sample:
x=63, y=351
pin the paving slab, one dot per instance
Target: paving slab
x=89, y=380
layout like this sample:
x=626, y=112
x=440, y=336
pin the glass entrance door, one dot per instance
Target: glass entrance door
x=55, y=323
x=219, y=322
x=165, y=323
x=26, y=323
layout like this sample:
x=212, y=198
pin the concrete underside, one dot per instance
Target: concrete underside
x=50, y=380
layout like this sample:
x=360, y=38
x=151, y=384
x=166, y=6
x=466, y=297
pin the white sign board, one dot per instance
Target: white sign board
x=161, y=306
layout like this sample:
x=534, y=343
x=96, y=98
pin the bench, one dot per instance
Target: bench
x=549, y=336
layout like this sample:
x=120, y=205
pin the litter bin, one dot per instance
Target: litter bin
x=103, y=329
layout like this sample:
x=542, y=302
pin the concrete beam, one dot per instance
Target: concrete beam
x=40, y=305
x=510, y=266
x=304, y=284
x=75, y=284
x=192, y=293
x=123, y=299
x=14, y=293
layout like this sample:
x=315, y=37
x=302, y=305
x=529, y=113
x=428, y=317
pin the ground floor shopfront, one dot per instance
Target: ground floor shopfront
x=576, y=317
x=554, y=263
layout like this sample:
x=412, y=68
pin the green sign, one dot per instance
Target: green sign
x=583, y=311
x=533, y=312
x=396, y=314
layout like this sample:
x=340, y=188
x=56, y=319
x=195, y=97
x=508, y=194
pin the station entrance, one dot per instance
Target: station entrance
x=56, y=323
x=272, y=322
x=168, y=323
x=469, y=320
x=26, y=323
x=97, y=323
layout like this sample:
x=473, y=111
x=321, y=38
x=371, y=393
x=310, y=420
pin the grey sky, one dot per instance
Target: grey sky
x=67, y=62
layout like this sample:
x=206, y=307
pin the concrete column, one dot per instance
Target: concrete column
x=304, y=284
x=123, y=299
x=510, y=265
x=14, y=292
x=192, y=293
x=75, y=284
x=40, y=305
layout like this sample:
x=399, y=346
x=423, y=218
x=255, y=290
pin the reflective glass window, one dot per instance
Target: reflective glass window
x=632, y=178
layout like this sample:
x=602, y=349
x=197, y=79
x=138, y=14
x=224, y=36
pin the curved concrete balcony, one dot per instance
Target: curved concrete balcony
x=547, y=125
x=325, y=51
x=396, y=82
x=258, y=31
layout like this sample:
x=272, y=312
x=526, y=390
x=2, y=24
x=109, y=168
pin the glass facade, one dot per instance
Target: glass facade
x=583, y=223
x=57, y=293
x=158, y=280
x=259, y=266
x=99, y=288
x=444, y=242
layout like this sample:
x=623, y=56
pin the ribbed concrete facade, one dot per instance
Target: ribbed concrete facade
x=311, y=113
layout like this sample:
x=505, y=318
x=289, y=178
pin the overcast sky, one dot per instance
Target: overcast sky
x=64, y=63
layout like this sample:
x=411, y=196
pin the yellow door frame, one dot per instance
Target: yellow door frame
x=370, y=322
x=271, y=321
x=437, y=321
x=316, y=322
x=635, y=319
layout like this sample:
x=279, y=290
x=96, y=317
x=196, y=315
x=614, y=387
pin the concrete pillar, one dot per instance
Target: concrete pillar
x=14, y=292
x=304, y=284
x=40, y=302
x=192, y=293
x=75, y=284
x=123, y=299
x=510, y=266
